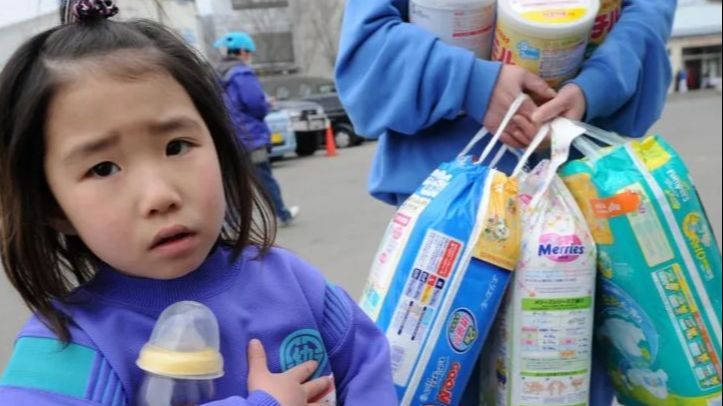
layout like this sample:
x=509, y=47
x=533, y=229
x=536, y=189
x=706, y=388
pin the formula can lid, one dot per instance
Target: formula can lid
x=549, y=19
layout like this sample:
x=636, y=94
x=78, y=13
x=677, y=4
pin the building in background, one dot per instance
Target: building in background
x=181, y=15
x=291, y=35
x=303, y=34
x=695, y=45
x=268, y=21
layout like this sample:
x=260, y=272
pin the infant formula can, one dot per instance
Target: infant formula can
x=607, y=17
x=464, y=23
x=546, y=37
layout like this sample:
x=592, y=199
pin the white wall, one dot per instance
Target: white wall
x=13, y=35
x=181, y=15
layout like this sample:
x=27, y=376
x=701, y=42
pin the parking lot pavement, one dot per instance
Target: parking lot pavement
x=340, y=225
x=692, y=124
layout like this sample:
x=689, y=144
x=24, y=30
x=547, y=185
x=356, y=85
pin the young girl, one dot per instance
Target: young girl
x=121, y=176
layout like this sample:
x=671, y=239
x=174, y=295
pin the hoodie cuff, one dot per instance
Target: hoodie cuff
x=483, y=79
x=598, y=98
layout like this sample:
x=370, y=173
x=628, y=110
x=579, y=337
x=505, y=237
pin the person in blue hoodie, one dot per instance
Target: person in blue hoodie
x=424, y=100
x=247, y=106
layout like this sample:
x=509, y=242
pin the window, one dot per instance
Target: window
x=274, y=48
x=305, y=90
x=247, y=4
x=282, y=93
x=326, y=89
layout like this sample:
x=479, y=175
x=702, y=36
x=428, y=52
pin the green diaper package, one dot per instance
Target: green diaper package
x=658, y=317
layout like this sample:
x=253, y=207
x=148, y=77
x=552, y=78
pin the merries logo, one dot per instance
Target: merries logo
x=560, y=248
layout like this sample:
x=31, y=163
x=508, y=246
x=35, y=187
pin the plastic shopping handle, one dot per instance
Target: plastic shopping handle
x=564, y=133
x=588, y=148
x=514, y=107
x=591, y=150
x=606, y=137
x=539, y=137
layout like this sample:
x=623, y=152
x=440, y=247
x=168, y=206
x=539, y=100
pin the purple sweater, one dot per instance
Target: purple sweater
x=276, y=299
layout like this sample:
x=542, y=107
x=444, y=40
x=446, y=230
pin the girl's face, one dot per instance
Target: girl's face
x=135, y=171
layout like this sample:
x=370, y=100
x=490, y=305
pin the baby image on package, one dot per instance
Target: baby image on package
x=659, y=297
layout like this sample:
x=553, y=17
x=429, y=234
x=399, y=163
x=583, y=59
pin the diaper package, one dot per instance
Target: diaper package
x=541, y=347
x=659, y=305
x=439, y=276
x=440, y=273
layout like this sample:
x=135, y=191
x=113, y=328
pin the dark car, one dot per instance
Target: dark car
x=317, y=90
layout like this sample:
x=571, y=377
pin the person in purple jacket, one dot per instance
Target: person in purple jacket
x=124, y=190
x=247, y=106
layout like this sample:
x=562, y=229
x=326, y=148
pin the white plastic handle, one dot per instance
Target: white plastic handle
x=514, y=107
x=606, y=137
x=477, y=138
x=564, y=133
x=500, y=154
x=539, y=137
x=587, y=148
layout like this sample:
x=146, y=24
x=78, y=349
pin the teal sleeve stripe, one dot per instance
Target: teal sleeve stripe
x=45, y=364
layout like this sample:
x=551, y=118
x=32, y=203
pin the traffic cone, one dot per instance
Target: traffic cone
x=330, y=143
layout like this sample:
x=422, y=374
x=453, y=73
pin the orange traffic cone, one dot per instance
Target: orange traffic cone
x=330, y=142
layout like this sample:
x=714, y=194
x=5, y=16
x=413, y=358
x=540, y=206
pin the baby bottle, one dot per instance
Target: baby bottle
x=182, y=358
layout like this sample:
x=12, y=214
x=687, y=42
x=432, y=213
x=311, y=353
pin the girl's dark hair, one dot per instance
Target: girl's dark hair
x=43, y=264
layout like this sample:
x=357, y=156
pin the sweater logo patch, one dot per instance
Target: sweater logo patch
x=302, y=346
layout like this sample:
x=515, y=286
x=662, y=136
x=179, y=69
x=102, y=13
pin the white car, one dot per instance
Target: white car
x=283, y=138
x=308, y=122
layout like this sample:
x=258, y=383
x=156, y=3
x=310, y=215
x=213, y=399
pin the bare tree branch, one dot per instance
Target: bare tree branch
x=324, y=20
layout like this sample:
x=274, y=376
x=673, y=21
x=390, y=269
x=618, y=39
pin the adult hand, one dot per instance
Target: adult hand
x=288, y=388
x=569, y=103
x=512, y=81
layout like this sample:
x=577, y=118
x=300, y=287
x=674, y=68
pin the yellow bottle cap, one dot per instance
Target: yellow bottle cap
x=184, y=344
x=204, y=364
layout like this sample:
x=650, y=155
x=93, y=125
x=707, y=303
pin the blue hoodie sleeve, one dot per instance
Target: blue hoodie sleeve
x=392, y=75
x=247, y=94
x=45, y=371
x=358, y=353
x=626, y=80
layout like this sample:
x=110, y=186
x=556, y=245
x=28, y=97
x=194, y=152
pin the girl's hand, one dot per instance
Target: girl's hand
x=512, y=81
x=569, y=103
x=287, y=388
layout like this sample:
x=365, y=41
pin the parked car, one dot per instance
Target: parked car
x=316, y=90
x=308, y=122
x=283, y=138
